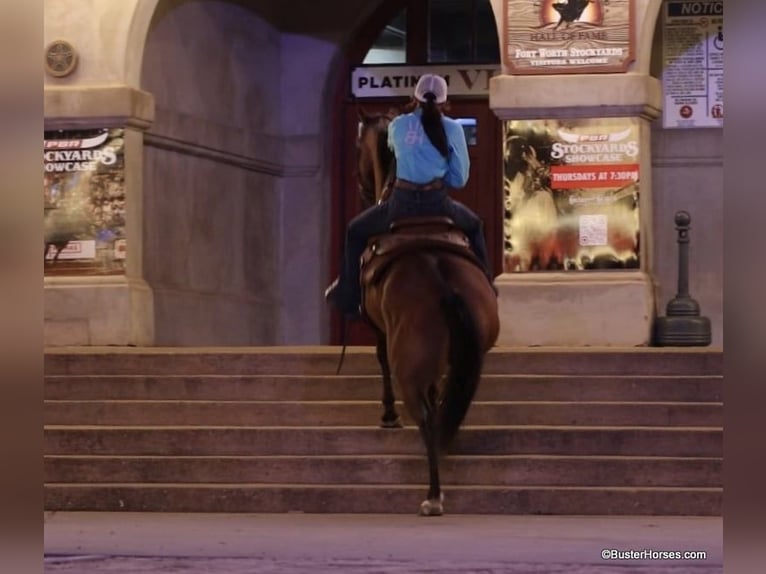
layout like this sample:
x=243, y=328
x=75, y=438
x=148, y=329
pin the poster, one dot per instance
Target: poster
x=568, y=36
x=692, y=76
x=571, y=194
x=84, y=202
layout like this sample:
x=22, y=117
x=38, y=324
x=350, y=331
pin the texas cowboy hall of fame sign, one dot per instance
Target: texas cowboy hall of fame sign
x=568, y=36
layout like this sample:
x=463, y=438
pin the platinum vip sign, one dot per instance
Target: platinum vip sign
x=400, y=81
x=84, y=201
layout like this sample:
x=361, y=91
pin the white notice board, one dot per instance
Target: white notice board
x=692, y=75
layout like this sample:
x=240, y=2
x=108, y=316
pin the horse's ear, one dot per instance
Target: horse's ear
x=393, y=112
x=363, y=116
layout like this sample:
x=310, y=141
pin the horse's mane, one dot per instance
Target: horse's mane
x=385, y=155
x=374, y=155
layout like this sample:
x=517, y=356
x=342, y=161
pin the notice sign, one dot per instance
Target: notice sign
x=568, y=37
x=571, y=194
x=692, y=77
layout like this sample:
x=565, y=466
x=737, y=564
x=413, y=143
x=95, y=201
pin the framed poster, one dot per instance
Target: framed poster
x=84, y=202
x=571, y=194
x=692, y=55
x=568, y=36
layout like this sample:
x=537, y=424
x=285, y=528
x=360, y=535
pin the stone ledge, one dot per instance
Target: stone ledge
x=68, y=107
x=576, y=309
x=575, y=95
x=97, y=311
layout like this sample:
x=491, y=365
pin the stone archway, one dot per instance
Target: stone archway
x=212, y=174
x=138, y=31
x=238, y=142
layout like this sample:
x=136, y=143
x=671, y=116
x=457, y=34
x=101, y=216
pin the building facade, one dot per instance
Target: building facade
x=232, y=126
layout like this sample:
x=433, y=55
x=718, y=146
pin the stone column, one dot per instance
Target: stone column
x=590, y=307
x=104, y=310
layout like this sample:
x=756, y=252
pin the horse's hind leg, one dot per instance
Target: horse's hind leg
x=390, y=418
x=434, y=504
x=417, y=368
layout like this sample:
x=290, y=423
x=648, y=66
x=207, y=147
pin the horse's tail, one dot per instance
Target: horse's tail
x=465, y=359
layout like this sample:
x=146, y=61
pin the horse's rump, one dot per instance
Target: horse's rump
x=438, y=245
x=413, y=286
x=432, y=235
x=438, y=314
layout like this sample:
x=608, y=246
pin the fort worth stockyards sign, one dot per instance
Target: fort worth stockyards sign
x=568, y=37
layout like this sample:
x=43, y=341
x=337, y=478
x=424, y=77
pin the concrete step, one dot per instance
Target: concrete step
x=362, y=361
x=387, y=499
x=501, y=470
x=355, y=413
x=594, y=431
x=667, y=388
x=248, y=441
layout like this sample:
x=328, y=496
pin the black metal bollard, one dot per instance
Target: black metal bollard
x=682, y=326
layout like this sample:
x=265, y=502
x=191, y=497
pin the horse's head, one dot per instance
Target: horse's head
x=374, y=158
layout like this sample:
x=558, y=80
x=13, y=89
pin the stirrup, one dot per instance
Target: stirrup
x=332, y=292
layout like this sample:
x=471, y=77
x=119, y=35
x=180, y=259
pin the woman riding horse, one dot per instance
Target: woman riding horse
x=431, y=156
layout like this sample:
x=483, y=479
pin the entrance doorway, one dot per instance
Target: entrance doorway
x=421, y=35
x=483, y=193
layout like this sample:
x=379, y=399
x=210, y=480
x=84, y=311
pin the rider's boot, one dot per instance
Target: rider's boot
x=334, y=294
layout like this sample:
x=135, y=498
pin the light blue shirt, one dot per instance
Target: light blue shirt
x=418, y=161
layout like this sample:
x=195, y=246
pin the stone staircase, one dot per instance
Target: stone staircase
x=571, y=431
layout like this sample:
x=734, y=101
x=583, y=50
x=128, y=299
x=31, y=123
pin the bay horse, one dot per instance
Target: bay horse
x=434, y=313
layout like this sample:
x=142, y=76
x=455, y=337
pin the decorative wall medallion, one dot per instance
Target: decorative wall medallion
x=60, y=58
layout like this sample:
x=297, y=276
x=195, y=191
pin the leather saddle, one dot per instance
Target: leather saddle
x=412, y=234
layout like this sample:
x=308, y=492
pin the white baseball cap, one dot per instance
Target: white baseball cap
x=431, y=83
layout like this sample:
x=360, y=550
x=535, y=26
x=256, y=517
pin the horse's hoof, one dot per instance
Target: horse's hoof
x=432, y=507
x=394, y=424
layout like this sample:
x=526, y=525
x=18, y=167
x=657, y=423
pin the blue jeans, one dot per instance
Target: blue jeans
x=378, y=218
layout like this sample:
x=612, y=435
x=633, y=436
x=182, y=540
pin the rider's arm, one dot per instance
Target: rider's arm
x=458, y=164
x=392, y=127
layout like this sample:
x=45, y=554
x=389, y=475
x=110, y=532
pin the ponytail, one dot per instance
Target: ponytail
x=432, y=124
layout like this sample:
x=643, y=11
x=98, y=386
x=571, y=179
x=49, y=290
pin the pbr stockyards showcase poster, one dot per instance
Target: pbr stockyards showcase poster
x=84, y=202
x=571, y=190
